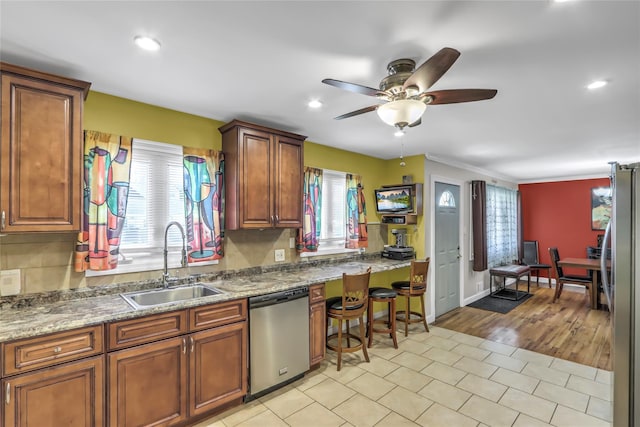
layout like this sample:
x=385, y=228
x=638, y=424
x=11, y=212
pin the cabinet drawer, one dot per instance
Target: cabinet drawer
x=213, y=315
x=34, y=353
x=316, y=293
x=147, y=329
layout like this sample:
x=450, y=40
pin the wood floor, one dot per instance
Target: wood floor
x=567, y=329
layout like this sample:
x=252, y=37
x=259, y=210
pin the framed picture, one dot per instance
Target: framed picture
x=600, y=207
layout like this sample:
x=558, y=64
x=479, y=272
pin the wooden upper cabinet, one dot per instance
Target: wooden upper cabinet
x=41, y=151
x=263, y=174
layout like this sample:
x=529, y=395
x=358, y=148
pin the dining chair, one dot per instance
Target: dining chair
x=530, y=259
x=416, y=286
x=562, y=278
x=350, y=306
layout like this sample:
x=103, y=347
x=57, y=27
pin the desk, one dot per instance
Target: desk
x=588, y=264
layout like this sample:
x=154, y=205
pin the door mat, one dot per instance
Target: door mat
x=499, y=305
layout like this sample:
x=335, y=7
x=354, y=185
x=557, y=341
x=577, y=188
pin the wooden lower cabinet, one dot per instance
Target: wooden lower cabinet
x=147, y=384
x=317, y=324
x=217, y=367
x=169, y=381
x=65, y=395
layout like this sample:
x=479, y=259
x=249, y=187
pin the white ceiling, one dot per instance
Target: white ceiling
x=263, y=61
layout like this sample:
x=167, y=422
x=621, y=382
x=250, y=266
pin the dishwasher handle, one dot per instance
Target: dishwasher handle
x=278, y=297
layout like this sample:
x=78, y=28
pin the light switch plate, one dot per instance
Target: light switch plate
x=279, y=255
x=9, y=282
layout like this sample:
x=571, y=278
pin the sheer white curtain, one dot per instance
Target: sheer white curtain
x=502, y=225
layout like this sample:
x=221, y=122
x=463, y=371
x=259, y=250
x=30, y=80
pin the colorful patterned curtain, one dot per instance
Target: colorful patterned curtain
x=107, y=162
x=309, y=234
x=363, y=235
x=204, y=203
x=356, y=223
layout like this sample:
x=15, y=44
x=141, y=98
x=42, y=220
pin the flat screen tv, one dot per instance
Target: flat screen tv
x=394, y=199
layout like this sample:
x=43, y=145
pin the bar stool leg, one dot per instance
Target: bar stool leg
x=407, y=317
x=424, y=315
x=362, y=343
x=339, y=349
x=370, y=321
x=392, y=321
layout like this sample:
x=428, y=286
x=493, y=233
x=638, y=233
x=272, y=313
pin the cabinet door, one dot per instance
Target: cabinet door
x=256, y=186
x=67, y=395
x=218, y=367
x=148, y=384
x=317, y=333
x=288, y=175
x=41, y=155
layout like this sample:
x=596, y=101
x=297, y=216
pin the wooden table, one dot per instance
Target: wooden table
x=588, y=264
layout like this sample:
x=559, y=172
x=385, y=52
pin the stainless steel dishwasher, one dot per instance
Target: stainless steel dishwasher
x=278, y=340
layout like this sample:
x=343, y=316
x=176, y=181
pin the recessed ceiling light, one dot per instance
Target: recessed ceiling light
x=146, y=43
x=597, y=84
x=314, y=103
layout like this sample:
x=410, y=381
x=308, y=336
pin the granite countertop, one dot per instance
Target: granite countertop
x=47, y=315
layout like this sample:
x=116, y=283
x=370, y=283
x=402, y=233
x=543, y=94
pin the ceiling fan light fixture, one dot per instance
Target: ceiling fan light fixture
x=597, y=84
x=402, y=112
x=146, y=43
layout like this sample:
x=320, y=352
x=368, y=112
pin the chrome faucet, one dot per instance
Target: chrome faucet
x=183, y=257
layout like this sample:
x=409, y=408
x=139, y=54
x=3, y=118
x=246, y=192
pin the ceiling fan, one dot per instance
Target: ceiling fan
x=404, y=90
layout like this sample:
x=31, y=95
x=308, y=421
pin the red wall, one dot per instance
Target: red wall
x=559, y=214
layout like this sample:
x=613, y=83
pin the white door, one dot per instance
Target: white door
x=447, y=247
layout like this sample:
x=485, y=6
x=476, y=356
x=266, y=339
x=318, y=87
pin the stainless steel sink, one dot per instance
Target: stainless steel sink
x=155, y=297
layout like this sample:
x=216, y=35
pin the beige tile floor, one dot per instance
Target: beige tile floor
x=441, y=378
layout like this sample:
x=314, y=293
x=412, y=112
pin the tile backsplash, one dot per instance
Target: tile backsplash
x=45, y=260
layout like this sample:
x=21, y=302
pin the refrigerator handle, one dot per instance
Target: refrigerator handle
x=606, y=286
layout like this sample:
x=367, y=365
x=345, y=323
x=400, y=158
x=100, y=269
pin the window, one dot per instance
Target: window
x=502, y=225
x=447, y=199
x=156, y=197
x=333, y=214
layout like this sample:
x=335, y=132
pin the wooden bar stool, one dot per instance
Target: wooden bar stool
x=350, y=306
x=382, y=295
x=416, y=286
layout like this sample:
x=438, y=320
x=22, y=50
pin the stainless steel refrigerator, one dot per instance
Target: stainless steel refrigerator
x=623, y=292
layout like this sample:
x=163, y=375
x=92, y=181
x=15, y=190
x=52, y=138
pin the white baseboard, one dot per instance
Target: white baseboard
x=476, y=297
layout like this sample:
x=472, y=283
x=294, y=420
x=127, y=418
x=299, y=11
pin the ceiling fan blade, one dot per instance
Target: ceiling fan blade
x=453, y=96
x=352, y=87
x=357, y=112
x=416, y=123
x=432, y=69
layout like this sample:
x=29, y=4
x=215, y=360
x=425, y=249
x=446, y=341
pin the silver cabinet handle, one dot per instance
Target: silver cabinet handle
x=193, y=343
x=272, y=221
x=277, y=219
x=2, y=220
x=184, y=346
x=8, y=393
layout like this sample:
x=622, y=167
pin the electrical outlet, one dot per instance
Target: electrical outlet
x=292, y=242
x=479, y=286
x=9, y=282
x=279, y=255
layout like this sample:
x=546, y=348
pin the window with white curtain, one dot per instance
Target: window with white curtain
x=156, y=197
x=502, y=225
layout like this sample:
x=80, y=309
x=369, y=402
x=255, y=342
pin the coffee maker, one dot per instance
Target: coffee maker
x=399, y=250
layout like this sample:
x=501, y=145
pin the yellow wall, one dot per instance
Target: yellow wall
x=122, y=116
